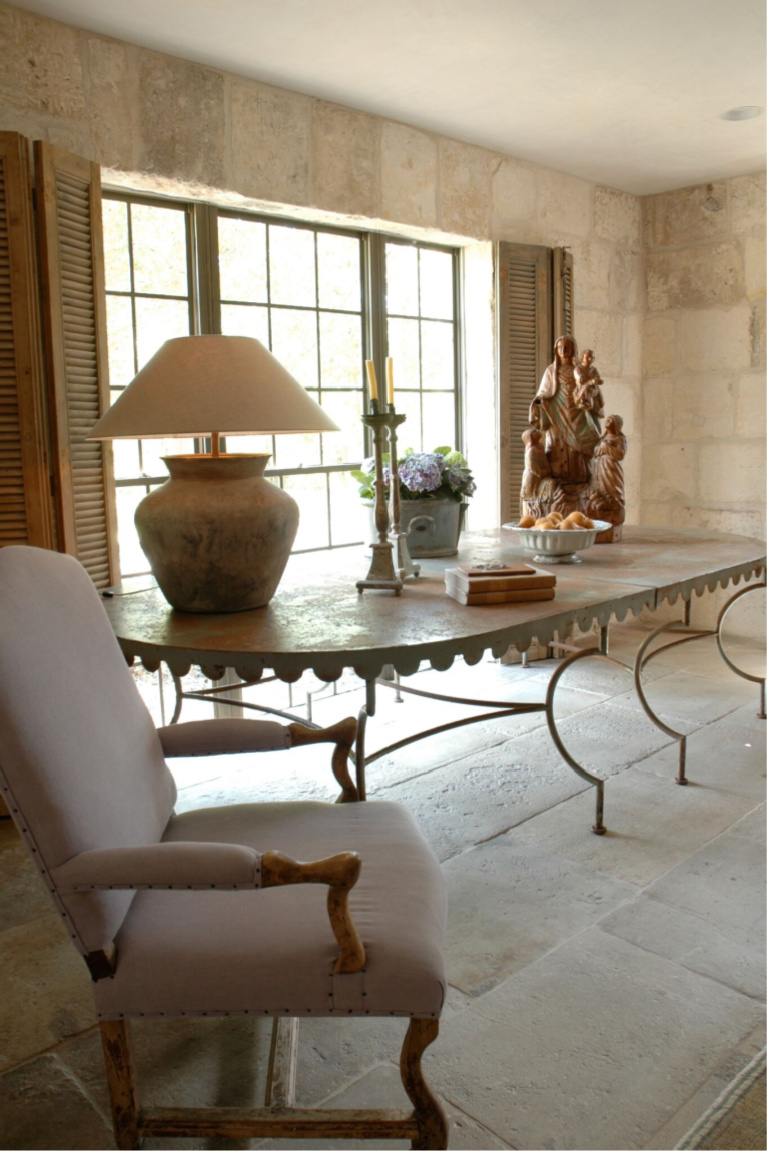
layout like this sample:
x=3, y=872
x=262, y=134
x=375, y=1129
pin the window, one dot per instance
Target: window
x=148, y=301
x=323, y=300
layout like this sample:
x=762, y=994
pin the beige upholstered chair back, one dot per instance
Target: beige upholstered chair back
x=80, y=760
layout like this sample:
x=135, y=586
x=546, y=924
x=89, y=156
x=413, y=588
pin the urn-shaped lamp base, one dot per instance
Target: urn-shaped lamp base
x=217, y=534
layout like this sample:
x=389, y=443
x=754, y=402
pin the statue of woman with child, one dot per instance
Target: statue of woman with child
x=569, y=470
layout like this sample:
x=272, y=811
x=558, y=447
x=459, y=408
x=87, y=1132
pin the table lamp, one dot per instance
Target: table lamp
x=217, y=534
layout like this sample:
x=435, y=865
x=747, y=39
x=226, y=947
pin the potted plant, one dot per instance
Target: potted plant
x=433, y=488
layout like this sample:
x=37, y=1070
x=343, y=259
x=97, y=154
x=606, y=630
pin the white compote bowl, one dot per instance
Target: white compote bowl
x=556, y=546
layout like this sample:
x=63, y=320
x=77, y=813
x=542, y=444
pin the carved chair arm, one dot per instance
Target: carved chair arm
x=343, y=735
x=340, y=873
x=235, y=736
x=183, y=866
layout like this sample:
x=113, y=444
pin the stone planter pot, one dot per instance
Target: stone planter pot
x=434, y=526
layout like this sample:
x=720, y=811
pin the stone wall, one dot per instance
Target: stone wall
x=155, y=122
x=703, y=392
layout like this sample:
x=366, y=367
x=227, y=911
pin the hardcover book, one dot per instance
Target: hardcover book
x=522, y=595
x=474, y=580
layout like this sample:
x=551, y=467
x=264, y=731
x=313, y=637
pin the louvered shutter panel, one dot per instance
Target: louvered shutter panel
x=563, y=292
x=25, y=501
x=525, y=348
x=72, y=271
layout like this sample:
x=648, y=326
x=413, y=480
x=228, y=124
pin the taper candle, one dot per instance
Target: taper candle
x=372, y=384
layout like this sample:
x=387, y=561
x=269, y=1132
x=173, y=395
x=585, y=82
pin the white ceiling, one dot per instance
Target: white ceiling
x=623, y=92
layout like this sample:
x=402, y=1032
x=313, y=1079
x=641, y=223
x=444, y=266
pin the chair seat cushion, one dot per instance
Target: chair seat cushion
x=271, y=951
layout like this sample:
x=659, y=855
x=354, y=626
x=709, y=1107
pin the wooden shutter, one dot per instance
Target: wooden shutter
x=74, y=328
x=525, y=348
x=25, y=497
x=563, y=292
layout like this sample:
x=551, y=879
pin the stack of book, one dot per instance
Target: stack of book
x=489, y=583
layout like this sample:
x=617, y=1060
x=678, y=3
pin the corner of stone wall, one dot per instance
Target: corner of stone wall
x=703, y=378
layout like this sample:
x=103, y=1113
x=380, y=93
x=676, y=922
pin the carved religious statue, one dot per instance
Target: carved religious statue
x=570, y=465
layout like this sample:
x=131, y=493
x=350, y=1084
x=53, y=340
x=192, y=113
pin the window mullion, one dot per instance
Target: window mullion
x=204, y=283
x=374, y=304
x=461, y=399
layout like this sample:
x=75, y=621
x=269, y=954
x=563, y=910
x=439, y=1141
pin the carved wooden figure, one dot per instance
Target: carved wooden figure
x=576, y=467
x=605, y=497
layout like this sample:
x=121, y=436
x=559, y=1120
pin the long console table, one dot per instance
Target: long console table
x=318, y=622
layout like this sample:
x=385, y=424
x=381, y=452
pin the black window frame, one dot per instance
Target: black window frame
x=205, y=301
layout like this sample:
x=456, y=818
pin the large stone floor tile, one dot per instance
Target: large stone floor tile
x=509, y=904
x=703, y=655
x=594, y=1046
x=425, y=755
x=483, y=795
x=727, y=755
x=722, y=882
x=690, y=941
x=684, y=697
x=440, y=749
x=382, y=1087
x=41, y=1106
x=604, y=739
x=652, y=825
x=46, y=989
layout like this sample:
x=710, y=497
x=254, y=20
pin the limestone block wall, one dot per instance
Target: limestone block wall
x=703, y=391
x=156, y=122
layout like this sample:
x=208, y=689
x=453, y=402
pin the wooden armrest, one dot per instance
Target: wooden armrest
x=343, y=735
x=340, y=873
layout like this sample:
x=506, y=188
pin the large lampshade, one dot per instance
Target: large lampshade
x=217, y=534
x=198, y=385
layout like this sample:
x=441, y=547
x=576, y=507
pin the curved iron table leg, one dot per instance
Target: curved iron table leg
x=642, y=658
x=639, y=661
x=733, y=667
x=592, y=652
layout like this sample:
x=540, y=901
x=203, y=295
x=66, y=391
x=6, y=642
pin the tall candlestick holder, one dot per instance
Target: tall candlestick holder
x=403, y=563
x=382, y=574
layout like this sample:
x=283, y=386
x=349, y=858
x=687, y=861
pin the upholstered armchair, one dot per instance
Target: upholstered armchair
x=211, y=912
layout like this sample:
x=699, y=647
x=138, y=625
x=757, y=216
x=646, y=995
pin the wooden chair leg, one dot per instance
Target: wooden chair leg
x=431, y=1119
x=121, y=1078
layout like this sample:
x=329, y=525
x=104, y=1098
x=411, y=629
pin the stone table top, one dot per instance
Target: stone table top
x=318, y=621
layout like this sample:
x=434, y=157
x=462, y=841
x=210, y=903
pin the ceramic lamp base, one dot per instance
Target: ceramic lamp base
x=217, y=534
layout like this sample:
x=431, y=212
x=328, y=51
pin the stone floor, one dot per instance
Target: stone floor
x=603, y=990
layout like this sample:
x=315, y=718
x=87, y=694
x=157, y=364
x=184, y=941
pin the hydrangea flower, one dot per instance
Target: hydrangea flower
x=421, y=471
x=442, y=475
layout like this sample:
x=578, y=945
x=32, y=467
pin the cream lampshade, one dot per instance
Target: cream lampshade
x=217, y=534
